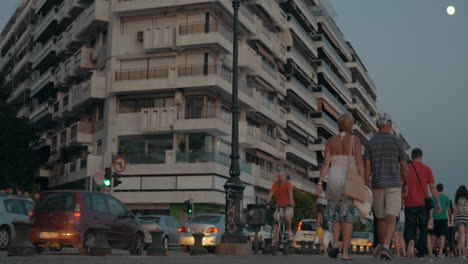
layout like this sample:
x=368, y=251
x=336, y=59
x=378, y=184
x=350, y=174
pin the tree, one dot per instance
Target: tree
x=305, y=208
x=18, y=160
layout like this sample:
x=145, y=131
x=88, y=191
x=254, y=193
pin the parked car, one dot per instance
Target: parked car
x=264, y=232
x=306, y=232
x=11, y=209
x=66, y=218
x=212, y=225
x=362, y=242
x=168, y=224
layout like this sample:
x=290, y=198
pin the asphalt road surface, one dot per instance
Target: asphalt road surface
x=177, y=257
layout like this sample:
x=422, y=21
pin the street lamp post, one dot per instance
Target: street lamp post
x=234, y=186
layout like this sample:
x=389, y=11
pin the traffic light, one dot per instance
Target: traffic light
x=188, y=206
x=117, y=180
x=107, y=177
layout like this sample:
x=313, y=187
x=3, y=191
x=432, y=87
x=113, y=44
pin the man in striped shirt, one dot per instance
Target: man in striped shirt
x=385, y=159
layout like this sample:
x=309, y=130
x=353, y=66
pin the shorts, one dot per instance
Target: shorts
x=431, y=232
x=288, y=211
x=387, y=202
x=440, y=227
x=400, y=227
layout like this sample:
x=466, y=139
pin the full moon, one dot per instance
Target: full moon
x=451, y=10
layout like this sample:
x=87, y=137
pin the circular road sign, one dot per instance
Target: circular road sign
x=120, y=164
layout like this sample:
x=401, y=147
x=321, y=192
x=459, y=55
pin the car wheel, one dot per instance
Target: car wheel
x=88, y=242
x=166, y=243
x=139, y=245
x=5, y=238
x=57, y=249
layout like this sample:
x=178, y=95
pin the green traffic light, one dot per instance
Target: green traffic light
x=190, y=211
x=106, y=182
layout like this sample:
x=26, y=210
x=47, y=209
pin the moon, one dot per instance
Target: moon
x=451, y=10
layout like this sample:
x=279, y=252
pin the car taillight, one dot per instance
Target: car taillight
x=31, y=214
x=182, y=229
x=156, y=228
x=77, y=213
x=369, y=243
x=212, y=230
x=299, y=227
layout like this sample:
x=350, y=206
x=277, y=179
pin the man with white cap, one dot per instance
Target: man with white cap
x=386, y=166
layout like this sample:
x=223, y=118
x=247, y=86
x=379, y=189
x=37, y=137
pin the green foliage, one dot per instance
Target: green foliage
x=305, y=208
x=363, y=227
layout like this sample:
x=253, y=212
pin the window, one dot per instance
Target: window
x=115, y=207
x=14, y=206
x=199, y=142
x=127, y=106
x=149, y=220
x=193, y=107
x=99, y=203
x=57, y=202
x=173, y=222
x=135, y=105
x=133, y=145
x=100, y=112
x=160, y=144
x=225, y=114
x=270, y=132
x=99, y=147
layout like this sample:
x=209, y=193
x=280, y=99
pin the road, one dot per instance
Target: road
x=177, y=257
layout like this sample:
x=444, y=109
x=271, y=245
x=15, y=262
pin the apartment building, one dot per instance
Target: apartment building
x=151, y=81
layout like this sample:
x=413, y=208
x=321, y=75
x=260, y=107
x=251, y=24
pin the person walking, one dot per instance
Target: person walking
x=386, y=164
x=322, y=226
x=340, y=210
x=398, y=239
x=283, y=191
x=417, y=214
x=441, y=218
x=450, y=248
x=461, y=219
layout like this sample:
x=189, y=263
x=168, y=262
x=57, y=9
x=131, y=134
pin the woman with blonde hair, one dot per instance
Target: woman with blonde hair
x=339, y=152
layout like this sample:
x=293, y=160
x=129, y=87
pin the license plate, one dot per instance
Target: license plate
x=47, y=235
x=308, y=235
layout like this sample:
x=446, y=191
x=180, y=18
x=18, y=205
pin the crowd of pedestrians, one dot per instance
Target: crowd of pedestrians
x=10, y=192
x=408, y=218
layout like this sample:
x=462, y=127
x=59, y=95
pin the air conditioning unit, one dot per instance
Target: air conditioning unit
x=178, y=98
x=140, y=36
x=94, y=57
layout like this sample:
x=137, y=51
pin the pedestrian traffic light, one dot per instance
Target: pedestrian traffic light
x=188, y=206
x=107, y=177
x=117, y=180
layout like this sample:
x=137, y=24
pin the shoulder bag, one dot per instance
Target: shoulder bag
x=354, y=186
x=428, y=203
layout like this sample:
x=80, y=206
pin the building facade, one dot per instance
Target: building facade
x=151, y=81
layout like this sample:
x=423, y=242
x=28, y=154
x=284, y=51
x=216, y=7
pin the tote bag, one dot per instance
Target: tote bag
x=354, y=186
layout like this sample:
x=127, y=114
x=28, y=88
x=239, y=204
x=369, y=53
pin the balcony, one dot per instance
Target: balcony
x=331, y=100
x=248, y=58
x=333, y=80
x=45, y=5
x=24, y=39
x=302, y=62
x=201, y=34
x=263, y=178
x=301, y=183
x=68, y=70
x=40, y=113
x=45, y=25
x=269, y=144
x=23, y=112
x=22, y=63
x=324, y=121
x=83, y=61
x=43, y=55
x=320, y=144
x=73, y=7
x=367, y=83
x=332, y=54
x=248, y=134
x=20, y=92
x=307, y=12
x=358, y=90
x=334, y=32
x=302, y=92
x=216, y=122
x=298, y=151
x=68, y=40
x=92, y=19
x=202, y=157
x=302, y=121
x=364, y=113
x=45, y=80
x=158, y=119
x=81, y=133
x=304, y=36
x=76, y=170
x=265, y=106
x=87, y=92
x=272, y=9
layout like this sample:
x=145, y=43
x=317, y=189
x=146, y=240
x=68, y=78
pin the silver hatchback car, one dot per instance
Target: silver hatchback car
x=168, y=224
x=11, y=209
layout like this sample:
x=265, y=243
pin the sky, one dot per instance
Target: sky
x=417, y=56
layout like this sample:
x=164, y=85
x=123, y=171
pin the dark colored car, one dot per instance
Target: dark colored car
x=65, y=219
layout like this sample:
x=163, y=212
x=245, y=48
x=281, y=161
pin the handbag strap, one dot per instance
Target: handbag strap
x=419, y=180
x=351, y=148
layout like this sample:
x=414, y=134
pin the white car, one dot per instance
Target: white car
x=306, y=232
x=263, y=233
x=12, y=209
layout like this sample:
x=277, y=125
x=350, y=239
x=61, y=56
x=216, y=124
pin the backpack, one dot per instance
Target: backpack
x=462, y=205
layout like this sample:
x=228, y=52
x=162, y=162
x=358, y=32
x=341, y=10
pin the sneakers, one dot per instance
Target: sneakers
x=386, y=254
x=377, y=250
x=410, y=250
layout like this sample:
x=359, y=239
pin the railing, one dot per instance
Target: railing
x=196, y=69
x=42, y=79
x=335, y=55
x=39, y=109
x=306, y=11
x=333, y=98
x=246, y=13
x=340, y=85
x=308, y=39
x=267, y=174
x=218, y=157
x=40, y=52
x=142, y=74
x=268, y=104
x=309, y=69
x=268, y=139
x=269, y=69
x=136, y=158
x=80, y=127
x=301, y=147
x=296, y=113
x=42, y=22
x=308, y=184
x=301, y=87
x=243, y=86
x=365, y=94
x=203, y=27
x=330, y=120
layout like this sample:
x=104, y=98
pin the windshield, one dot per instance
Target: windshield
x=206, y=219
x=361, y=235
x=57, y=202
x=308, y=226
x=149, y=220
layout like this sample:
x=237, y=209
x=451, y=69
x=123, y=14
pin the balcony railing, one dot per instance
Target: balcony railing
x=333, y=98
x=305, y=9
x=300, y=86
x=299, y=115
x=269, y=69
x=306, y=37
x=268, y=139
x=142, y=74
x=243, y=86
x=218, y=157
x=308, y=68
x=43, y=22
x=336, y=81
x=301, y=147
x=136, y=158
x=247, y=13
x=203, y=27
x=268, y=104
x=336, y=58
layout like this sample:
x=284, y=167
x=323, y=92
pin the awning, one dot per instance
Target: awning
x=283, y=134
x=286, y=37
x=265, y=157
x=266, y=54
x=330, y=109
x=298, y=129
